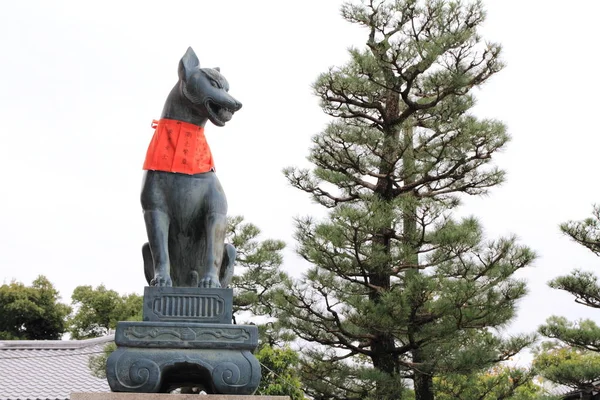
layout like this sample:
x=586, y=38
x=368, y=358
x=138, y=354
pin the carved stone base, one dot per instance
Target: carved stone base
x=177, y=348
x=186, y=335
x=162, y=370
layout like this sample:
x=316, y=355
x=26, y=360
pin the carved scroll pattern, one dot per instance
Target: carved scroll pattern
x=187, y=334
x=139, y=374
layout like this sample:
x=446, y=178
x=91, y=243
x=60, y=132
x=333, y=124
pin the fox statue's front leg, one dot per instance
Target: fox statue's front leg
x=157, y=228
x=157, y=220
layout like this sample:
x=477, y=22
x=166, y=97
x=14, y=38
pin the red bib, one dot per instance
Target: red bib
x=180, y=147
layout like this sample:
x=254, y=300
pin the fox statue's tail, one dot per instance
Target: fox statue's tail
x=229, y=254
x=226, y=274
x=148, y=263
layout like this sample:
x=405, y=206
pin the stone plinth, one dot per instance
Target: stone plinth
x=168, y=304
x=157, y=396
x=186, y=335
x=186, y=340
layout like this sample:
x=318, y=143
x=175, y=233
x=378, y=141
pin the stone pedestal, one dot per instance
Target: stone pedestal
x=154, y=396
x=186, y=340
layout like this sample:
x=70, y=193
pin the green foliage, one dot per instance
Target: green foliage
x=581, y=284
x=259, y=261
x=499, y=382
x=280, y=376
x=256, y=282
x=574, y=360
x=584, y=334
x=586, y=232
x=399, y=289
x=99, y=310
x=356, y=378
x=97, y=364
x=570, y=366
x=31, y=312
x=258, y=278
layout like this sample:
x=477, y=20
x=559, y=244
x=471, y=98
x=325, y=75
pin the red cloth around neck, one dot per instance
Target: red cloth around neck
x=180, y=147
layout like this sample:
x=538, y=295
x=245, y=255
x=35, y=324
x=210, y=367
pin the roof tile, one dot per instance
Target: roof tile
x=49, y=369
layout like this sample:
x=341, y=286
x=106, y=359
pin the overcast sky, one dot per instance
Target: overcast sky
x=80, y=83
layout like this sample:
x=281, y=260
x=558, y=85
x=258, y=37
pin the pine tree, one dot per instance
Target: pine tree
x=398, y=289
x=257, y=279
x=573, y=359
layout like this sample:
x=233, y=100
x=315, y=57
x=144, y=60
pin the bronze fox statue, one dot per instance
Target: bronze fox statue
x=185, y=209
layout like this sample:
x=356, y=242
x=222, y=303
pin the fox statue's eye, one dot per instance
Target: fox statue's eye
x=216, y=84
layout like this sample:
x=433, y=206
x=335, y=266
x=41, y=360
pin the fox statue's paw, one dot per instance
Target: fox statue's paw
x=161, y=280
x=209, y=281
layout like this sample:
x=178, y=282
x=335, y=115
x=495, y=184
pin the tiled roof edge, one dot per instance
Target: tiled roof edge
x=54, y=344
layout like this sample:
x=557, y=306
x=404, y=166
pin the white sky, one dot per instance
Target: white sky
x=80, y=83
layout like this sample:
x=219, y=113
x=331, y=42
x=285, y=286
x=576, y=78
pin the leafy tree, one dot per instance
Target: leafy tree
x=574, y=359
x=399, y=289
x=279, y=372
x=99, y=310
x=31, y=312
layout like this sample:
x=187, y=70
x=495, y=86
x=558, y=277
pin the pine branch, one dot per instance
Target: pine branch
x=586, y=232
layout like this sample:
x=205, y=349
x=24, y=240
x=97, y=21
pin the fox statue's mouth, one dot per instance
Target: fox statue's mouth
x=217, y=114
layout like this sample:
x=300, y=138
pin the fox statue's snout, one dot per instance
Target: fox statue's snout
x=207, y=90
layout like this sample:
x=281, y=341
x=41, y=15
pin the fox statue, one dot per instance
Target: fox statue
x=185, y=209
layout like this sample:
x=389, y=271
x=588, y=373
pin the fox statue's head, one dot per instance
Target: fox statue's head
x=206, y=89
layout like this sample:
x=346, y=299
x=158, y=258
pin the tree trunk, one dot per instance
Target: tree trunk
x=423, y=381
x=383, y=345
x=385, y=361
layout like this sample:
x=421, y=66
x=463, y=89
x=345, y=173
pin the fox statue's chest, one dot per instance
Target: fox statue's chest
x=179, y=147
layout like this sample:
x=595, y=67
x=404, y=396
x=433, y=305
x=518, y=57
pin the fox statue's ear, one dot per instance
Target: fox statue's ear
x=189, y=62
x=217, y=69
